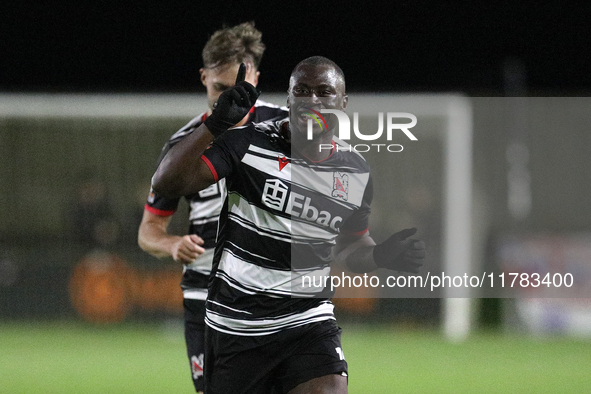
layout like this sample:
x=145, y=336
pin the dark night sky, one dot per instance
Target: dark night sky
x=132, y=46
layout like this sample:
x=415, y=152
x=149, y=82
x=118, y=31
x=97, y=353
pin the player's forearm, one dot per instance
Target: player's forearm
x=156, y=241
x=356, y=255
x=181, y=170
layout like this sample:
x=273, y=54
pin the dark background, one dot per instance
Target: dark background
x=133, y=46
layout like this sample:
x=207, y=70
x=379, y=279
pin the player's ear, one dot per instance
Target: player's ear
x=256, y=78
x=203, y=73
x=345, y=101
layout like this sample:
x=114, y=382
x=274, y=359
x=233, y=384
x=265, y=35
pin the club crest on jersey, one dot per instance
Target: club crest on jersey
x=340, y=185
x=283, y=161
x=197, y=366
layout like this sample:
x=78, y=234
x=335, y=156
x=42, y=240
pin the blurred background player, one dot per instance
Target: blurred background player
x=222, y=55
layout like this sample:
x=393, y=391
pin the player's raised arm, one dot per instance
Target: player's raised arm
x=182, y=171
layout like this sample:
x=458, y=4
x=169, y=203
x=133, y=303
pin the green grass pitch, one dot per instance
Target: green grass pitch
x=69, y=357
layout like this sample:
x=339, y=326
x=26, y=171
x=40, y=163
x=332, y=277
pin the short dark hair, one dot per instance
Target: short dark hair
x=234, y=45
x=320, y=61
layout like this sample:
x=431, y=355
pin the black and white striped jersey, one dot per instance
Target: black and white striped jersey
x=205, y=206
x=280, y=220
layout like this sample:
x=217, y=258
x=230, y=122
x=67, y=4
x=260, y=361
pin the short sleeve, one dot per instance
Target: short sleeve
x=223, y=156
x=161, y=206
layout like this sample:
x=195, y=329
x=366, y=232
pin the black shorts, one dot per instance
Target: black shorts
x=195, y=339
x=273, y=363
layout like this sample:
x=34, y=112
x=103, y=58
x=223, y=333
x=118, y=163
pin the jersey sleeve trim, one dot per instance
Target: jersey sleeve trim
x=158, y=212
x=358, y=232
x=211, y=168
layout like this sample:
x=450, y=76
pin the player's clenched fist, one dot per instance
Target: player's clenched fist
x=400, y=253
x=187, y=249
x=232, y=105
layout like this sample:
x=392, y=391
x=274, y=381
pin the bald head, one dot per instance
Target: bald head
x=318, y=64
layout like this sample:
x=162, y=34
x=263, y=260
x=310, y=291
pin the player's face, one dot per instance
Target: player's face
x=218, y=79
x=313, y=88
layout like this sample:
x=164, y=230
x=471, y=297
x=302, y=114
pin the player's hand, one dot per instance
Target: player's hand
x=187, y=249
x=232, y=105
x=400, y=253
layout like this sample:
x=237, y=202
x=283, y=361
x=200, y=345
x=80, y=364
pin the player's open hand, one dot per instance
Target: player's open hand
x=232, y=105
x=187, y=249
x=400, y=253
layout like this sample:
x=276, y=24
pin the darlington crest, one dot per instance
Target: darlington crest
x=340, y=185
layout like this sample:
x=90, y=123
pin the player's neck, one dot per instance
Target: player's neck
x=316, y=150
x=313, y=152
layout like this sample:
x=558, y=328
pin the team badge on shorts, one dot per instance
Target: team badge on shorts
x=340, y=185
x=197, y=366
